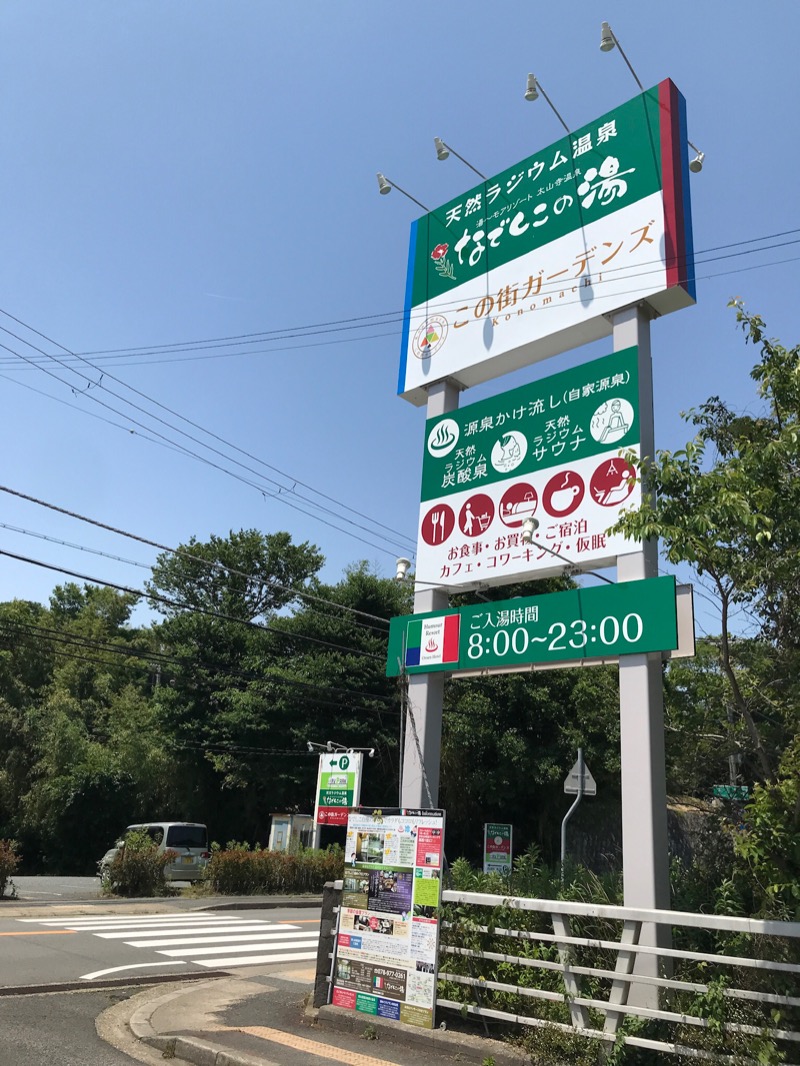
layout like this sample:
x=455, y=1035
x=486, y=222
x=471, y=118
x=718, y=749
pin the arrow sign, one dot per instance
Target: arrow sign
x=572, y=781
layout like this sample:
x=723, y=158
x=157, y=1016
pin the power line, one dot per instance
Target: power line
x=352, y=322
x=195, y=425
x=189, y=452
x=182, y=553
x=208, y=562
x=149, y=660
x=219, y=615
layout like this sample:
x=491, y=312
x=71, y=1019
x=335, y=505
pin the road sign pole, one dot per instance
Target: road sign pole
x=645, y=856
x=570, y=812
x=423, y=726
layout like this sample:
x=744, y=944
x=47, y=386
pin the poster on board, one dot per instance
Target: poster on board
x=388, y=933
x=497, y=849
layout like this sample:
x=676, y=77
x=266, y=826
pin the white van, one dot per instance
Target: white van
x=189, y=840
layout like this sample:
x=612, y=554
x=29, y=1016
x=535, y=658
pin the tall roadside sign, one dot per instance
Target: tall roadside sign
x=587, y=237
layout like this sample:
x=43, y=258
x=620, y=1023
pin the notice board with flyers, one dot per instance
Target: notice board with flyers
x=387, y=938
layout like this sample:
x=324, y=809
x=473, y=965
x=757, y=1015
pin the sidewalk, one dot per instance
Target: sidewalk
x=257, y=1018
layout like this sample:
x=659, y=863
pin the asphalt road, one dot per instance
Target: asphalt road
x=58, y=1028
x=40, y=889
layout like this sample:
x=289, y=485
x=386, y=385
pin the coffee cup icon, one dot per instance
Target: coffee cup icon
x=563, y=494
x=562, y=498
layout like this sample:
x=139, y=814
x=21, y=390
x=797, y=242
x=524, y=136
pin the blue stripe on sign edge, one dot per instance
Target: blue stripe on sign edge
x=412, y=248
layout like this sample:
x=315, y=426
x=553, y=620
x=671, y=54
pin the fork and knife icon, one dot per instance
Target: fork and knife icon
x=437, y=519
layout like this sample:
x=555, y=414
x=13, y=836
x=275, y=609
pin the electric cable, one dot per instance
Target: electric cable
x=195, y=425
x=219, y=615
x=368, y=320
x=184, y=554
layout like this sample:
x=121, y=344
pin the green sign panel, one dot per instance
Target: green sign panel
x=731, y=792
x=589, y=410
x=628, y=618
x=338, y=787
x=610, y=163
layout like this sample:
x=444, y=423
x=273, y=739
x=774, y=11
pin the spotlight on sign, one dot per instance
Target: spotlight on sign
x=607, y=38
x=402, y=569
x=529, y=527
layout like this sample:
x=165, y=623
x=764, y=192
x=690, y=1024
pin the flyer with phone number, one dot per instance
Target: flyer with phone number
x=388, y=933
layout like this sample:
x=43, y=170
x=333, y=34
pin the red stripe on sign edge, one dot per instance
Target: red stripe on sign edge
x=671, y=183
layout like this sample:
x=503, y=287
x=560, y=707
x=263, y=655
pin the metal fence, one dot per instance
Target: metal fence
x=698, y=985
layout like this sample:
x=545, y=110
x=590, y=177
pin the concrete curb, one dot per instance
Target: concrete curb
x=201, y=1052
x=475, y=1049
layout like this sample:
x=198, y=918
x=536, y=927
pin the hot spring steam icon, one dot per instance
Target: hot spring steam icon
x=443, y=437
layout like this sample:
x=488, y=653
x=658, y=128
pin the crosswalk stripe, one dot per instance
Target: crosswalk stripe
x=255, y=960
x=182, y=953
x=183, y=937
x=243, y=926
x=227, y=939
x=155, y=919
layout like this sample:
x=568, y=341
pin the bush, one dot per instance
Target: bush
x=138, y=868
x=236, y=872
x=9, y=861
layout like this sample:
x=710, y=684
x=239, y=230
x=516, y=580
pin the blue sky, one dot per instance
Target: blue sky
x=195, y=171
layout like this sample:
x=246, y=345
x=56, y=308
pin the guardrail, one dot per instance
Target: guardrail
x=726, y=988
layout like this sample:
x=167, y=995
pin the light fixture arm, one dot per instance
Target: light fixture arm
x=529, y=527
x=407, y=195
x=630, y=68
x=627, y=61
x=466, y=162
x=552, y=106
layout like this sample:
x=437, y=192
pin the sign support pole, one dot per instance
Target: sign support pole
x=645, y=854
x=570, y=813
x=423, y=725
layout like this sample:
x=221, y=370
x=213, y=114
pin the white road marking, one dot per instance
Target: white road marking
x=117, y=969
x=244, y=927
x=255, y=960
x=242, y=941
x=306, y=942
x=177, y=941
x=155, y=919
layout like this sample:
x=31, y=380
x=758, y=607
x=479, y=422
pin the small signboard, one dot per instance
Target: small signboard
x=572, y=784
x=731, y=792
x=497, y=848
x=387, y=937
x=338, y=787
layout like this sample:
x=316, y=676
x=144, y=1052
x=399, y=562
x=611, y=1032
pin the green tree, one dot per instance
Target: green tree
x=82, y=757
x=221, y=600
x=247, y=575
x=728, y=504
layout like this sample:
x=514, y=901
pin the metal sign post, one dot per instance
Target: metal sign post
x=579, y=783
x=645, y=850
x=423, y=725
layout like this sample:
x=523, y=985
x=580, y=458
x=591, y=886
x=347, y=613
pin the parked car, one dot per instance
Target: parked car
x=189, y=841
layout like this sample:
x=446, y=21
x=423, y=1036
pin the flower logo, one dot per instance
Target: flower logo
x=443, y=266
